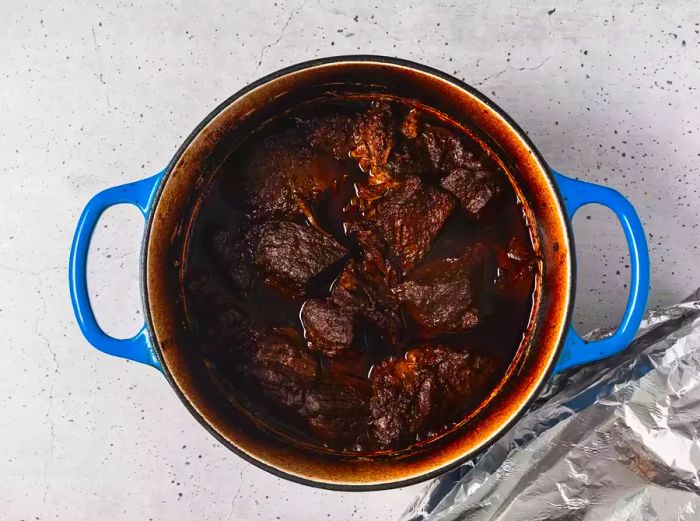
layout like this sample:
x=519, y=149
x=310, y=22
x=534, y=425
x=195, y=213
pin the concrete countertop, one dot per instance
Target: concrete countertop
x=102, y=93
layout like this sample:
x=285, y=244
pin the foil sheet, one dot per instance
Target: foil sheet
x=616, y=440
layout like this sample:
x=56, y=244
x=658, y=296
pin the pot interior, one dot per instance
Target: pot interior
x=176, y=205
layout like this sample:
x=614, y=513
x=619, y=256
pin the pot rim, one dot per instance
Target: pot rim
x=382, y=60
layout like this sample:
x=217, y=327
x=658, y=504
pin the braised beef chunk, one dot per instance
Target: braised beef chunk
x=447, y=150
x=232, y=258
x=332, y=405
x=404, y=223
x=409, y=394
x=444, y=294
x=474, y=188
x=336, y=409
x=410, y=158
x=288, y=255
x=280, y=367
x=365, y=197
x=386, y=154
x=357, y=294
x=374, y=256
x=332, y=133
x=412, y=155
x=365, y=292
x=403, y=395
x=359, y=274
x=462, y=374
x=374, y=138
x=284, y=177
x=328, y=325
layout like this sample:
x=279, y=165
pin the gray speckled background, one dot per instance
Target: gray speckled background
x=97, y=94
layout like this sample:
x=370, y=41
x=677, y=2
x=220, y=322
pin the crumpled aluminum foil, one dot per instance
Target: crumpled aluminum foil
x=617, y=440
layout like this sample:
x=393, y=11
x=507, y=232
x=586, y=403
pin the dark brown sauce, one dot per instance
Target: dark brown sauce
x=504, y=308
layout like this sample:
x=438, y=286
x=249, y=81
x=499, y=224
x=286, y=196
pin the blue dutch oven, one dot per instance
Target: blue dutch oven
x=169, y=202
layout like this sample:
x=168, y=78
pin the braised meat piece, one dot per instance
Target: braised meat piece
x=386, y=150
x=231, y=256
x=447, y=150
x=364, y=290
x=328, y=324
x=374, y=138
x=280, y=367
x=374, y=256
x=412, y=155
x=474, y=188
x=443, y=295
x=403, y=395
x=410, y=158
x=284, y=176
x=364, y=198
x=462, y=374
x=357, y=294
x=334, y=406
x=409, y=395
x=287, y=255
x=466, y=171
x=332, y=133
x=336, y=409
x=398, y=231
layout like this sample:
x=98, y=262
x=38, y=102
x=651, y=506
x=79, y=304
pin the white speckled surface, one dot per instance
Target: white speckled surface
x=97, y=94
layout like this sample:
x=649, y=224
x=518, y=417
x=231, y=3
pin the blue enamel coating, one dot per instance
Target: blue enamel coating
x=576, y=194
x=138, y=347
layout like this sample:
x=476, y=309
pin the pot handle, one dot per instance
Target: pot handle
x=138, y=347
x=576, y=350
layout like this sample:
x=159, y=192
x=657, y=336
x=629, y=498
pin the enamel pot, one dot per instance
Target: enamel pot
x=169, y=201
